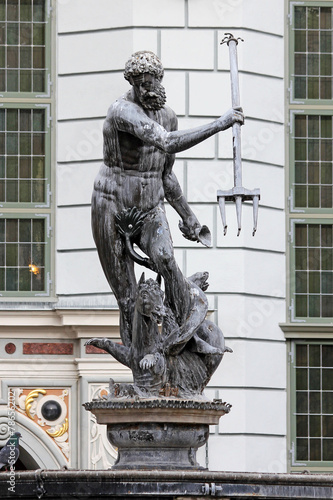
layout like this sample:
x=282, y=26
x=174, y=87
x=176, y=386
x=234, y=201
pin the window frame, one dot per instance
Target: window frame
x=292, y=208
x=47, y=255
x=293, y=99
x=48, y=63
x=296, y=466
x=47, y=173
x=21, y=210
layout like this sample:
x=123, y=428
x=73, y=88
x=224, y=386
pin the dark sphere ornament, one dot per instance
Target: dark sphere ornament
x=51, y=410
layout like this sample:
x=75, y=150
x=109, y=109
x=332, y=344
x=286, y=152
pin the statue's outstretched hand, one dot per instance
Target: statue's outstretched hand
x=148, y=361
x=233, y=115
x=190, y=228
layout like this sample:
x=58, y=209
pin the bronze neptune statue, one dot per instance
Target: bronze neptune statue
x=140, y=143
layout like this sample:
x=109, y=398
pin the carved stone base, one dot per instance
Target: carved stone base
x=157, y=434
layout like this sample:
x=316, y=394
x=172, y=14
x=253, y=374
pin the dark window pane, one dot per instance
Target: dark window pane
x=11, y=254
x=25, y=81
x=327, y=236
x=38, y=168
x=301, y=258
x=328, y=449
x=302, y=426
x=38, y=191
x=25, y=119
x=2, y=255
x=39, y=57
x=38, y=81
x=313, y=196
x=12, y=191
x=326, y=126
x=313, y=64
x=300, y=149
x=315, y=426
x=2, y=10
x=25, y=10
x=300, y=17
x=24, y=255
x=327, y=259
x=314, y=379
x=38, y=120
x=326, y=197
x=326, y=173
x=301, y=402
x=313, y=17
x=39, y=34
x=313, y=41
x=25, y=280
x=314, y=235
x=38, y=254
x=314, y=285
x=38, y=230
x=12, y=10
x=12, y=34
x=327, y=354
x=314, y=306
x=12, y=143
x=325, y=41
x=300, y=172
x=12, y=80
x=300, y=41
x=12, y=167
x=2, y=230
x=301, y=355
x=325, y=18
x=300, y=196
x=327, y=306
x=301, y=449
x=301, y=379
x=313, y=88
x=2, y=279
x=315, y=402
x=313, y=173
x=11, y=279
x=38, y=144
x=25, y=144
x=326, y=150
x=325, y=88
x=25, y=230
x=301, y=283
x=313, y=153
x=315, y=449
x=301, y=238
x=25, y=191
x=314, y=259
x=327, y=283
x=328, y=402
x=326, y=64
x=327, y=379
x=313, y=126
x=25, y=167
x=300, y=87
x=12, y=120
x=300, y=64
x=301, y=306
x=328, y=426
x=25, y=34
x=38, y=281
x=25, y=57
x=38, y=10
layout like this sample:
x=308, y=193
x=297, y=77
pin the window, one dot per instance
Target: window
x=311, y=162
x=311, y=39
x=312, y=404
x=25, y=148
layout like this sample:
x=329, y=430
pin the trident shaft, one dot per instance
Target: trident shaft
x=238, y=193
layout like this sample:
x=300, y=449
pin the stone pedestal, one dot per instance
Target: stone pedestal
x=162, y=434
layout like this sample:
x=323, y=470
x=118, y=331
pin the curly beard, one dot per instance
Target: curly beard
x=155, y=99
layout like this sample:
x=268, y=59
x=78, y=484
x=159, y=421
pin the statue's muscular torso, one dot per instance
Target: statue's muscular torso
x=132, y=174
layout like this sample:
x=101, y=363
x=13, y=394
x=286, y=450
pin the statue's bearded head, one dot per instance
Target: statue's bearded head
x=144, y=71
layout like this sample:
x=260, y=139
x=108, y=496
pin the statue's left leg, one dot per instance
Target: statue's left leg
x=156, y=242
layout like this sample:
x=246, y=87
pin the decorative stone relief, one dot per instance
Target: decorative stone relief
x=102, y=454
x=48, y=408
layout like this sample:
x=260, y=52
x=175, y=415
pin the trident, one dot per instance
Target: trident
x=238, y=193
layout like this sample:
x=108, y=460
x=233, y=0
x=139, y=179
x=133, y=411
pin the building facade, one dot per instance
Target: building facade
x=272, y=295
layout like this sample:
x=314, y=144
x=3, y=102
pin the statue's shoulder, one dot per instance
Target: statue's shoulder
x=171, y=117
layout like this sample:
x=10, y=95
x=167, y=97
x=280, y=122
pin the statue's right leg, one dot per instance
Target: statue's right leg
x=117, y=265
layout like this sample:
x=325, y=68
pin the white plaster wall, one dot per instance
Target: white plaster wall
x=247, y=275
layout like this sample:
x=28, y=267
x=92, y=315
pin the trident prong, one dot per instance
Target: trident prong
x=238, y=194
